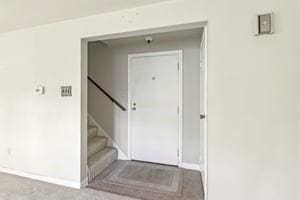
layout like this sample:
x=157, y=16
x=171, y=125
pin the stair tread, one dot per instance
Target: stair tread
x=101, y=155
x=96, y=144
x=97, y=138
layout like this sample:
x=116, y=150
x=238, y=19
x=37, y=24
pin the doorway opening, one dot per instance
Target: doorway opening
x=145, y=95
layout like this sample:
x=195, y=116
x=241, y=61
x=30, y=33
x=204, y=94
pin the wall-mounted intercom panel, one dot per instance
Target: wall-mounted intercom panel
x=264, y=24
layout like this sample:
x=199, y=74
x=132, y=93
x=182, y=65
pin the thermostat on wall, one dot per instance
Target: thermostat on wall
x=264, y=24
x=40, y=90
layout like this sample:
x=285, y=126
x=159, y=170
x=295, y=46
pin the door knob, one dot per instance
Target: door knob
x=133, y=106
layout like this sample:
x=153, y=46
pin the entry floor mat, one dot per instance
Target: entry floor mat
x=149, y=181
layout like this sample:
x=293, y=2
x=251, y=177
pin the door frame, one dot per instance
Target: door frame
x=204, y=102
x=131, y=33
x=179, y=53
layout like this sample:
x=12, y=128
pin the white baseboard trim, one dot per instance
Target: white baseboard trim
x=190, y=166
x=111, y=142
x=43, y=178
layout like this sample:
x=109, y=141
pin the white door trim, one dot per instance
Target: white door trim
x=180, y=66
x=204, y=100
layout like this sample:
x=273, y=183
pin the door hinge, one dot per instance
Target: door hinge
x=178, y=153
x=177, y=109
x=178, y=66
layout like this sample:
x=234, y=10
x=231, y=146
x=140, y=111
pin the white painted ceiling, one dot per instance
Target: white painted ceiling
x=157, y=37
x=17, y=14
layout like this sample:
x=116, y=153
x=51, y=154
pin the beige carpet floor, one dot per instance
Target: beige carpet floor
x=18, y=188
x=150, y=181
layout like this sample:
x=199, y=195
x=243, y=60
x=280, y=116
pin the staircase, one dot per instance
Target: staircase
x=100, y=156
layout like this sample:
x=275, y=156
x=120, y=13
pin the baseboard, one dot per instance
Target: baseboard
x=111, y=142
x=43, y=178
x=190, y=166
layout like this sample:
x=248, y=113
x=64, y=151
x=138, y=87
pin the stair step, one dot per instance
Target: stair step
x=96, y=144
x=93, y=130
x=101, y=160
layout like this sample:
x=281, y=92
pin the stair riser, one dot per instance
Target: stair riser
x=102, y=164
x=92, y=149
x=92, y=133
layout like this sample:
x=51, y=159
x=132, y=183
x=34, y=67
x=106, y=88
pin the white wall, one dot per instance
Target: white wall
x=297, y=52
x=108, y=66
x=253, y=89
x=40, y=134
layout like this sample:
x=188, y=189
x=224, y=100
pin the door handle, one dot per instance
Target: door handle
x=133, y=106
x=202, y=116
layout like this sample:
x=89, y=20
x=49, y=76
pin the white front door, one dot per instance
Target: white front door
x=154, y=88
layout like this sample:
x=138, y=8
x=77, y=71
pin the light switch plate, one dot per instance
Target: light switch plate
x=264, y=24
x=66, y=91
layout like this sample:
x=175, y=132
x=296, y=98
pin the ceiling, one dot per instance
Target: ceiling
x=158, y=37
x=17, y=14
